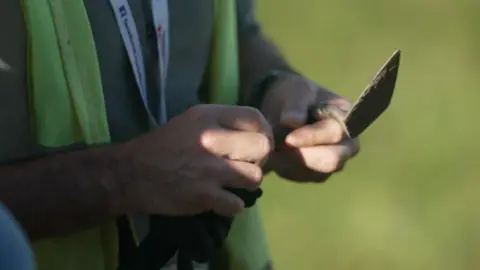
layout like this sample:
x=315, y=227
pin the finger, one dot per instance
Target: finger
x=289, y=166
x=295, y=109
x=225, y=203
x=326, y=131
x=237, y=145
x=243, y=175
x=330, y=158
x=244, y=118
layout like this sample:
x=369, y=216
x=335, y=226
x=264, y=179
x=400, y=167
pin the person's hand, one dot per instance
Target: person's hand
x=310, y=153
x=183, y=168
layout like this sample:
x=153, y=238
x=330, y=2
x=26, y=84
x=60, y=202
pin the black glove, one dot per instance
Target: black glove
x=195, y=238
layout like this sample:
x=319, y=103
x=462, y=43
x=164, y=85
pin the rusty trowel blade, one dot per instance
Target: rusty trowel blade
x=375, y=99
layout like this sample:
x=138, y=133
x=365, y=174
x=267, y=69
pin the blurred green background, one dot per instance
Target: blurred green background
x=411, y=199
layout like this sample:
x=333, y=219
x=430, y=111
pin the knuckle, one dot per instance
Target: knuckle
x=252, y=113
x=264, y=145
x=244, y=118
x=254, y=116
x=198, y=113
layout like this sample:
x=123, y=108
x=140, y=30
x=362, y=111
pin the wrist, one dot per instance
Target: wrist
x=121, y=168
x=266, y=85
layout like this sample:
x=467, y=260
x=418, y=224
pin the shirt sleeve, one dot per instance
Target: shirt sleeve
x=247, y=22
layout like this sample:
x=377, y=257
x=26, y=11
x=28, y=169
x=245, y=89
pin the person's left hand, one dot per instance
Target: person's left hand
x=310, y=153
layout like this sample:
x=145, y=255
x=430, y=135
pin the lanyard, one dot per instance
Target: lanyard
x=131, y=41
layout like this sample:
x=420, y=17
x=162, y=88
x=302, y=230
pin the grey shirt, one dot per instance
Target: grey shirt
x=191, y=24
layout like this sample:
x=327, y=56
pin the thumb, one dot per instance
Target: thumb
x=295, y=107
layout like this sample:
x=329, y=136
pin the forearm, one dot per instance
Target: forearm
x=258, y=55
x=65, y=192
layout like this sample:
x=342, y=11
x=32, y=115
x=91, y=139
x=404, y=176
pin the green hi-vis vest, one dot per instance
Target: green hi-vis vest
x=67, y=106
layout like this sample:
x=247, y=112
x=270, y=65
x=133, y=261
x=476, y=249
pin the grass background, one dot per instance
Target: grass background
x=411, y=199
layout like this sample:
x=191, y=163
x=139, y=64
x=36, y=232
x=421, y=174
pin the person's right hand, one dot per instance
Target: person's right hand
x=183, y=167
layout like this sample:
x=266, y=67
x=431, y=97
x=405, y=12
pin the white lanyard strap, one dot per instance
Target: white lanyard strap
x=161, y=21
x=131, y=41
